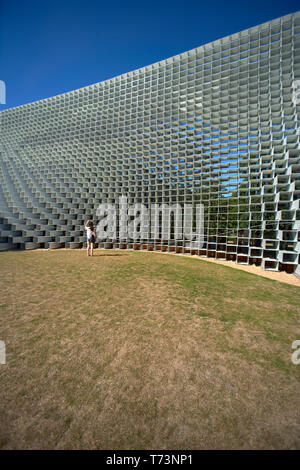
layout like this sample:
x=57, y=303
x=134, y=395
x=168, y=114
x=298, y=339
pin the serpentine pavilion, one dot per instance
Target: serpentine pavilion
x=216, y=127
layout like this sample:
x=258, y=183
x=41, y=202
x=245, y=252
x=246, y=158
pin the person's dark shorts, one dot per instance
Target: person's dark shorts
x=91, y=239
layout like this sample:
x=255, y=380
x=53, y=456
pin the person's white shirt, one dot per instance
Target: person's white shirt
x=89, y=232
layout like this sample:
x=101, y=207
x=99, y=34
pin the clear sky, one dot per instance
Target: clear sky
x=50, y=47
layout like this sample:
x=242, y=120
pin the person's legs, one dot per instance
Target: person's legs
x=88, y=248
x=92, y=249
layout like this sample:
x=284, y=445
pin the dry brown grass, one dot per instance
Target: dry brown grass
x=127, y=350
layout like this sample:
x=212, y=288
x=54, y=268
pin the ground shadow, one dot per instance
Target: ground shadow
x=117, y=254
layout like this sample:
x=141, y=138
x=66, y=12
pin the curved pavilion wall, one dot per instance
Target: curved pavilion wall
x=217, y=125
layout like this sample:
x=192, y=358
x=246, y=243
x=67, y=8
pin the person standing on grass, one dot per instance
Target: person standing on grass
x=90, y=236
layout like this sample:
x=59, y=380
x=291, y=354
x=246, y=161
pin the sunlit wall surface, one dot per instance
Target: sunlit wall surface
x=217, y=125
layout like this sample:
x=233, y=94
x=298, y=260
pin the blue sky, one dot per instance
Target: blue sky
x=50, y=47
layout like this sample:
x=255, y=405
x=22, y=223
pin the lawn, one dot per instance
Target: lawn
x=137, y=350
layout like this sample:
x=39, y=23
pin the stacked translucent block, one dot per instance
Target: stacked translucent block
x=217, y=125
